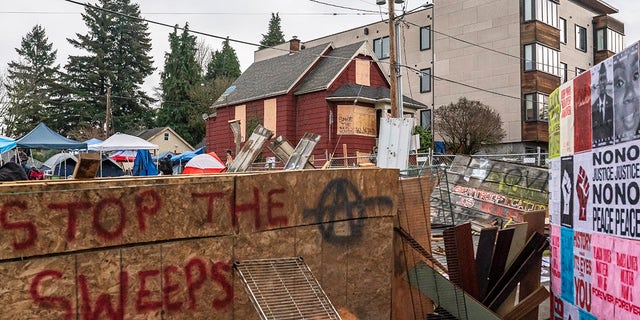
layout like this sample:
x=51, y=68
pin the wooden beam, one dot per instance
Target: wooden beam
x=484, y=255
x=458, y=245
x=529, y=303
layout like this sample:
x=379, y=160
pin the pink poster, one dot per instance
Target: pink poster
x=566, y=119
x=554, y=191
x=602, y=285
x=625, y=271
x=556, y=272
x=582, y=256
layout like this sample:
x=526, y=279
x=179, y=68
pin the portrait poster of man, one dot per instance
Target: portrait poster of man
x=566, y=191
x=602, y=104
x=582, y=114
x=626, y=91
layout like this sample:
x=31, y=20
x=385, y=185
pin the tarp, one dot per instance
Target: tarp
x=143, y=165
x=121, y=141
x=42, y=137
x=204, y=163
x=92, y=141
x=60, y=164
x=186, y=156
x=6, y=144
x=124, y=156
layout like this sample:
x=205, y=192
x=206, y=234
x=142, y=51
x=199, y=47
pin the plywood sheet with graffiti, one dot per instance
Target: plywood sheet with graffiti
x=163, y=248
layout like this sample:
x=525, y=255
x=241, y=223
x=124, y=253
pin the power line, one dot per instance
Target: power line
x=343, y=7
x=258, y=45
x=206, y=13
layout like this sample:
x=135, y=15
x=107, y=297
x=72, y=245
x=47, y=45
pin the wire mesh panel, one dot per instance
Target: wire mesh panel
x=284, y=289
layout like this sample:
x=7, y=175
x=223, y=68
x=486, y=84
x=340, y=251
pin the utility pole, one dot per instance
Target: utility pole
x=393, y=94
x=107, y=124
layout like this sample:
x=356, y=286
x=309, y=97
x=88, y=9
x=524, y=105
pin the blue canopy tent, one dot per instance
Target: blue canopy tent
x=179, y=160
x=143, y=165
x=42, y=137
x=6, y=144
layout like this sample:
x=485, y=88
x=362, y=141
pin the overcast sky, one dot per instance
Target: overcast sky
x=244, y=20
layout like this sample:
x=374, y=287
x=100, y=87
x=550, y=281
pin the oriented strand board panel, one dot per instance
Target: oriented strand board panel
x=291, y=198
x=102, y=285
x=52, y=217
x=144, y=282
x=38, y=289
x=198, y=279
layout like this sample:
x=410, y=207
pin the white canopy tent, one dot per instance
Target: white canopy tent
x=121, y=141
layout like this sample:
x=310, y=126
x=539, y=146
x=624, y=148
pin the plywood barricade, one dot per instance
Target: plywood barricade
x=163, y=247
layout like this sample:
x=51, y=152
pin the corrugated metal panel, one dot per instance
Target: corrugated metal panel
x=251, y=149
x=284, y=289
x=394, y=143
x=302, y=152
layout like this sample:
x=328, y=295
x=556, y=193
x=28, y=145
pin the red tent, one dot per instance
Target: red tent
x=124, y=156
x=204, y=163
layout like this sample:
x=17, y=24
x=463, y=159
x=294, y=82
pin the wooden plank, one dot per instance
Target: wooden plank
x=458, y=245
x=531, y=282
x=484, y=255
x=528, y=304
x=517, y=244
x=519, y=269
x=499, y=257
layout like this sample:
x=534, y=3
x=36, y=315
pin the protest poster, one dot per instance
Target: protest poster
x=554, y=191
x=566, y=191
x=554, y=125
x=626, y=93
x=566, y=263
x=583, y=192
x=582, y=256
x=625, y=271
x=582, y=112
x=602, y=285
x=602, y=104
x=566, y=119
x=616, y=192
x=555, y=270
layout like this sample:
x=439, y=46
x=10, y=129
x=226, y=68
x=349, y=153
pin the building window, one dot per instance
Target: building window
x=541, y=58
x=579, y=71
x=615, y=41
x=425, y=38
x=425, y=119
x=563, y=30
x=542, y=10
x=536, y=107
x=581, y=38
x=166, y=136
x=563, y=72
x=381, y=47
x=425, y=80
x=600, y=39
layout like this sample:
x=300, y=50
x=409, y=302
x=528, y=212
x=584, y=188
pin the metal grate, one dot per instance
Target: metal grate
x=284, y=289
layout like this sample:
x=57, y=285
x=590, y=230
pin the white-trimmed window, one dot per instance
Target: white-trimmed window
x=166, y=136
x=542, y=10
x=381, y=47
x=536, y=107
x=607, y=39
x=541, y=58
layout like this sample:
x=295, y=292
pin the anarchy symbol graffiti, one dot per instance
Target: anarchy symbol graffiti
x=341, y=201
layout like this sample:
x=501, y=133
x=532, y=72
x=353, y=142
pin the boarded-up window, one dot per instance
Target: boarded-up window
x=363, y=75
x=270, y=115
x=241, y=114
x=356, y=120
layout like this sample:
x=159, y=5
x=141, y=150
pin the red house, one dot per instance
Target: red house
x=337, y=93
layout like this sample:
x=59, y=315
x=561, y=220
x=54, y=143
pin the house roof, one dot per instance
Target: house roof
x=271, y=77
x=352, y=91
x=330, y=67
x=149, y=134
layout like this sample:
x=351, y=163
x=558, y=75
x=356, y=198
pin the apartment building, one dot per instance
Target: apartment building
x=508, y=54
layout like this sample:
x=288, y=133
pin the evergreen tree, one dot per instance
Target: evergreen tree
x=180, y=77
x=118, y=57
x=31, y=84
x=274, y=36
x=223, y=64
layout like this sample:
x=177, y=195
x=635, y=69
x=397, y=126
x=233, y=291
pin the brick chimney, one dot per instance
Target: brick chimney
x=294, y=44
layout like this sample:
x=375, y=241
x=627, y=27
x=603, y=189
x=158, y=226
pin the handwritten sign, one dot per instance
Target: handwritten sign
x=356, y=120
